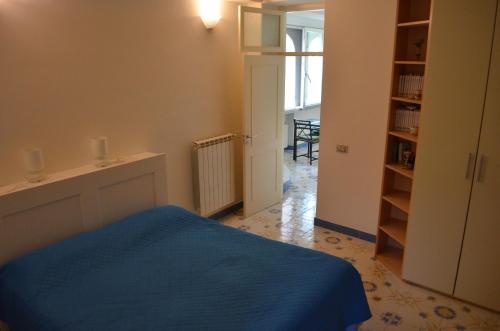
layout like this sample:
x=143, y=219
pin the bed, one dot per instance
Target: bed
x=167, y=269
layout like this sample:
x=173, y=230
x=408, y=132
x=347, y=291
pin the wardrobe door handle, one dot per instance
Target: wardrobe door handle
x=482, y=169
x=470, y=164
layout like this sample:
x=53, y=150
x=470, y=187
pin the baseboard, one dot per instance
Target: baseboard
x=227, y=211
x=345, y=230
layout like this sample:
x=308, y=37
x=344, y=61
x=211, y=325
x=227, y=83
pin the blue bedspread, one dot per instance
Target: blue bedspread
x=167, y=269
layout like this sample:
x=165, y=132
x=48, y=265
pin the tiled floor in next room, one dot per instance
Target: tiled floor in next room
x=395, y=304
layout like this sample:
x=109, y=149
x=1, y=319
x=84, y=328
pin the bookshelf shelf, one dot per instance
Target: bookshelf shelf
x=414, y=21
x=418, y=63
x=414, y=24
x=399, y=199
x=404, y=135
x=407, y=100
x=398, y=168
x=392, y=258
x=396, y=229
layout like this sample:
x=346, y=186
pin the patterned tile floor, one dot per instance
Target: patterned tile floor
x=395, y=304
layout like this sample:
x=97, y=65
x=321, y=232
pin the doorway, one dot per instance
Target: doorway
x=282, y=107
x=302, y=123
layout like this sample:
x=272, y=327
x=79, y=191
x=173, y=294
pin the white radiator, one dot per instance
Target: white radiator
x=213, y=173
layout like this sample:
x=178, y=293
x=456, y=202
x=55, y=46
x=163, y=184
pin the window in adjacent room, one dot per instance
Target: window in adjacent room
x=313, y=68
x=304, y=74
x=293, y=84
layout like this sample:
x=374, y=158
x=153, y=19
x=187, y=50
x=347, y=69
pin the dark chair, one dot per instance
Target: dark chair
x=306, y=132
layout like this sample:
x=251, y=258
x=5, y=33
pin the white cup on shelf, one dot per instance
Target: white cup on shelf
x=100, y=151
x=34, y=164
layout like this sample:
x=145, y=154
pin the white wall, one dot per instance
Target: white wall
x=146, y=73
x=357, y=76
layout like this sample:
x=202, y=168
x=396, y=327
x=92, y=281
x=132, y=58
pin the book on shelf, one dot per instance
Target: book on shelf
x=411, y=86
x=402, y=154
x=406, y=118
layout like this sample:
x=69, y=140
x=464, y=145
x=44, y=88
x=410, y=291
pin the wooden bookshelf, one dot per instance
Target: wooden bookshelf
x=392, y=258
x=399, y=199
x=415, y=63
x=407, y=100
x=396, y=229
x=412, y=28
x=404, y=135
x=414, y=24
x=400, y=169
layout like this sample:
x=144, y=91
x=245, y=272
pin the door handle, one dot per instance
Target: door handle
x=482, y=169
x=470, y=164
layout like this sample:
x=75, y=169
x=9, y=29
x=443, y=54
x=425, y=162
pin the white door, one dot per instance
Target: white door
x=478, y=278
x=263, y=124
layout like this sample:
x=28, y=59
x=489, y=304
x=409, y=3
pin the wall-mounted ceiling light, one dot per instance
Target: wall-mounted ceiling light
x=210, y=12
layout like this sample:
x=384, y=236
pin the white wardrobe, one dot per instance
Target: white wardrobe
x=453, y=239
